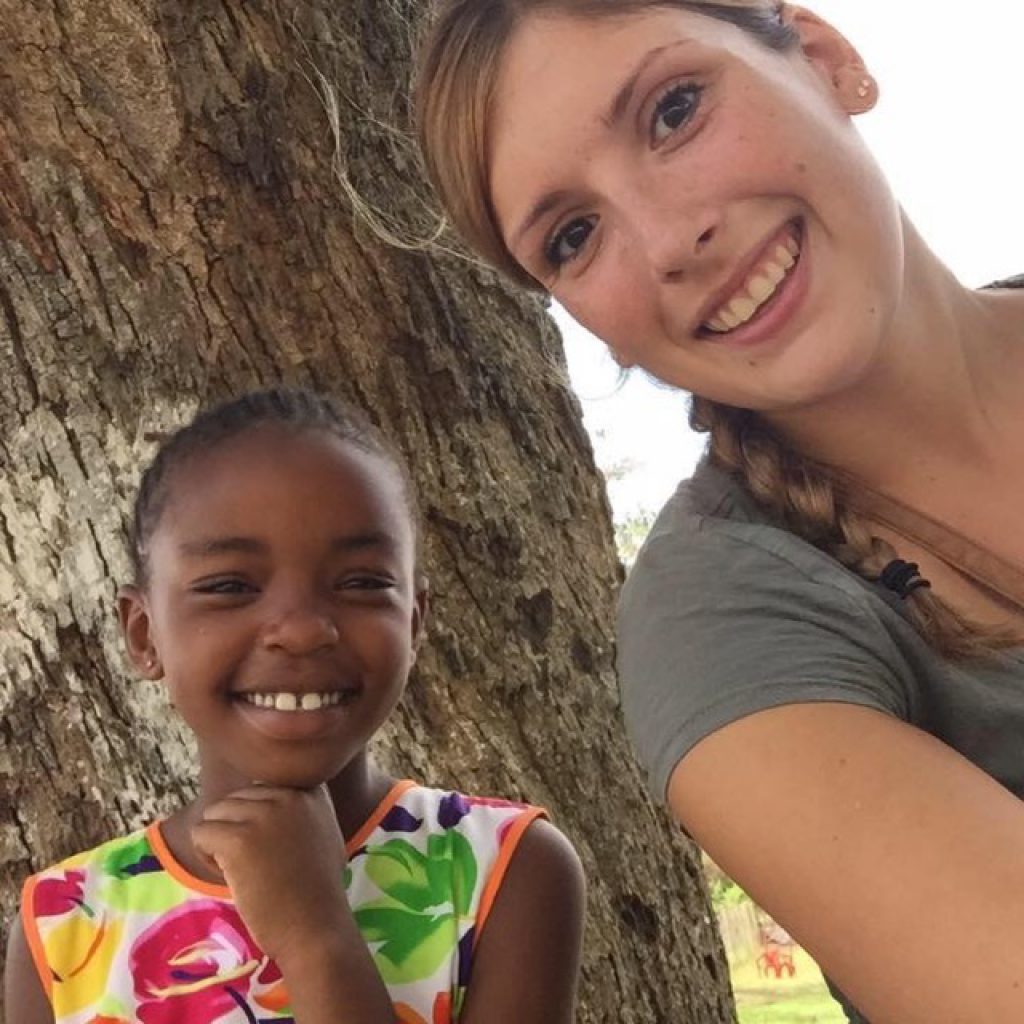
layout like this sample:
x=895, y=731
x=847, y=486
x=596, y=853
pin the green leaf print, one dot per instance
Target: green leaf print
x=148, y=894
x=452, y=865
x=411, y=946
x=134, y=880
x=124, y=859
x=398, y=869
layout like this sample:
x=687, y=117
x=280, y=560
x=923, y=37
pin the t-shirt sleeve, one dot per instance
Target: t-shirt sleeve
x=719, y=620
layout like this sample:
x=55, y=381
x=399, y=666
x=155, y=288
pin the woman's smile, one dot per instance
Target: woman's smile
x=773, y=282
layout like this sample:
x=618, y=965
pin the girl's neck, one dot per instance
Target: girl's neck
x=943, y=393
x=356, y=791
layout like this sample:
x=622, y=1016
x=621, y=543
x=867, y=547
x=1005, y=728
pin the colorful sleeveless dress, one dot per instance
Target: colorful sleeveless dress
x=123, y=933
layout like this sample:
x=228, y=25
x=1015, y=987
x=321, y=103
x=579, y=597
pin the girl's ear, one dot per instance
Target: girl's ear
x=133, y=612
x=835, y=59
x=420, y=610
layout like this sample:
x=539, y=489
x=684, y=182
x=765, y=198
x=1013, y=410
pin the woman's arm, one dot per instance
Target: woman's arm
x=896, y=862
x=25, y=1001
x=527, y=958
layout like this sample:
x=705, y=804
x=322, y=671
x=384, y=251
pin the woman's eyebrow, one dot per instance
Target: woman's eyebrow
x=543, y=205
x=620, y=101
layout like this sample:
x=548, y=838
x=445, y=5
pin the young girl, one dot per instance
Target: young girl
x=822, y=644
x=277, y=596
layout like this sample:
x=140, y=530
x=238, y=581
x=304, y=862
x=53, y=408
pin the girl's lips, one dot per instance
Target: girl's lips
x=769, y=320
x=294, y=725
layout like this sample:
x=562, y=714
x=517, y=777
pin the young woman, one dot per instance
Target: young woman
x=822, y=643
x=278, y=597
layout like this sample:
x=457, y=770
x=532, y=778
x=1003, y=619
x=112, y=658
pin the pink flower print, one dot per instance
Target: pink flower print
x=194, y=964
x=493, y=801
x=56, y=896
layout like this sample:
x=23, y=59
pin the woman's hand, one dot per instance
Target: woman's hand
x=282, y=855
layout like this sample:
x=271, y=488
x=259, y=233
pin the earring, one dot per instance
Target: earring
x=862, y=95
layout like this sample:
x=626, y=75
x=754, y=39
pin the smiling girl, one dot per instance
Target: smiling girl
x=278, y=598
x=822, y=642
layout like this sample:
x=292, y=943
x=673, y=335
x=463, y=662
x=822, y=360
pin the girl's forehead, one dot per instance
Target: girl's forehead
x=268, y=476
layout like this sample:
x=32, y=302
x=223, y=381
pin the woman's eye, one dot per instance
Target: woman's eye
x=567, y=242
x=674, y=110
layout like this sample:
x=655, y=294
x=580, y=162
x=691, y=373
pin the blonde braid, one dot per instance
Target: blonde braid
x=803, y=496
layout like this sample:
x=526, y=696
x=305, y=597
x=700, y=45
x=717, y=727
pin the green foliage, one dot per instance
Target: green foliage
x=630, y=533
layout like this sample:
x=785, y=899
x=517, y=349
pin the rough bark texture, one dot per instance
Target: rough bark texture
x=172, y=229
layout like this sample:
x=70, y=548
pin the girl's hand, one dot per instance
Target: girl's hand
x=282, y=855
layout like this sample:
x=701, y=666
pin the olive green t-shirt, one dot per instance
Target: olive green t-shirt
x=725, y=614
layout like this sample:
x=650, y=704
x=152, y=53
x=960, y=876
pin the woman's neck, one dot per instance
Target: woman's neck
x=944, y=392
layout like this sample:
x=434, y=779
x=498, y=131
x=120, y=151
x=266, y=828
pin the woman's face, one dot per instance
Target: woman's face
x=700, y=202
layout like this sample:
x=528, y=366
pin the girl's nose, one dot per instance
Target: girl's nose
x=301, y=630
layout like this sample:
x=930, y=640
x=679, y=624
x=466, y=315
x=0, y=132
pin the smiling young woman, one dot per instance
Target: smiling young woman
x=822, y=642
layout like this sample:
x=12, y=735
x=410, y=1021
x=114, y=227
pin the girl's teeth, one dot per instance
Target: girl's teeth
x=293, y=701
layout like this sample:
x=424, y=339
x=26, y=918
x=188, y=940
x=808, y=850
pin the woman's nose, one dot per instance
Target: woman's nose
x=675, y=237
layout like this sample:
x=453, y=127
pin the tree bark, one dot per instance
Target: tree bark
x=174, y=228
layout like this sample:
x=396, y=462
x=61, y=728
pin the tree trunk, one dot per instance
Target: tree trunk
x=174, y=228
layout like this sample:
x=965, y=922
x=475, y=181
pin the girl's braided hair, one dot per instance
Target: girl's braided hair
x=293, y=409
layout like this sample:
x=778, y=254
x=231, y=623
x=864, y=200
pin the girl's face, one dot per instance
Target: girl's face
x=281, y=574
x=700, y=202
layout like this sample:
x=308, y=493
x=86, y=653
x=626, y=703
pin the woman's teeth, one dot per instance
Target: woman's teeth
x=294, y=701
x=762, y=283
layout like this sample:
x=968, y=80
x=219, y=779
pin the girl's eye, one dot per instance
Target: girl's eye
x=674, y=110
x=567, y=242
x=230, y=586
x=366, y=583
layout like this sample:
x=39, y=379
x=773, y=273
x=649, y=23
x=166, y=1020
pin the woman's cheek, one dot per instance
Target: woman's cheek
x=609, y=301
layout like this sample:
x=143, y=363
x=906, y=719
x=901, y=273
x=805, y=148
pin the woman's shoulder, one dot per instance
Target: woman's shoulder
x=711, y=533
x=1017, y=281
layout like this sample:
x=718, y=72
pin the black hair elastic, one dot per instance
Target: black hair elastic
x=902, y=578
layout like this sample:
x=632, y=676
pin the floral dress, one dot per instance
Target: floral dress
x=123, y=933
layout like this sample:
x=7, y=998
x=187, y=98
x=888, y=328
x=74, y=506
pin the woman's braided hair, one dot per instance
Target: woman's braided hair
x=806, y=498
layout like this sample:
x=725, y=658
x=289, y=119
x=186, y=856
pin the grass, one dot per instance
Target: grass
x=802, y=999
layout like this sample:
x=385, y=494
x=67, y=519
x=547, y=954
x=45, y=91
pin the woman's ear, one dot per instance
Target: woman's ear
x=136, y=627
x=835, y=59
